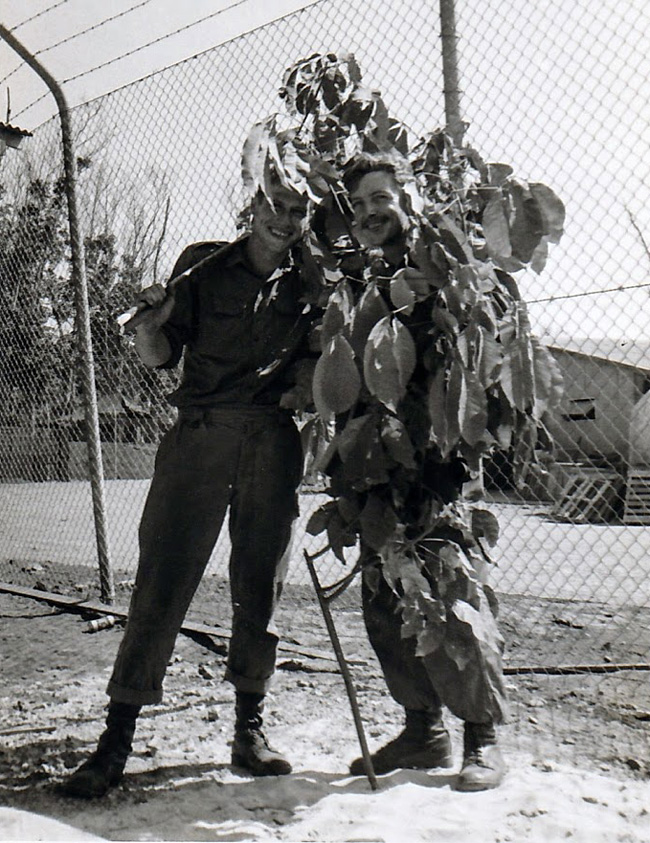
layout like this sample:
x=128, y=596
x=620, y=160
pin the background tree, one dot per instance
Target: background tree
x=33, y=267
x=125, y=228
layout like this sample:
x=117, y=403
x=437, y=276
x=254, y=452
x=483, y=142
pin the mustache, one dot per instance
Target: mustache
x=374, y=218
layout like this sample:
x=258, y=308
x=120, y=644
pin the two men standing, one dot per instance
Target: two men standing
x=240, y=321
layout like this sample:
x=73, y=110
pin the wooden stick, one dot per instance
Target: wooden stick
x=19, y=730
x=345, y=671
x=565, y=670
x=74, y=605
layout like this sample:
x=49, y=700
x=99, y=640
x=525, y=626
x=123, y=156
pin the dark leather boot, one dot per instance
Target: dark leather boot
x=105, y=767
x=423, y=744
x=250, y=748
x=483, y=765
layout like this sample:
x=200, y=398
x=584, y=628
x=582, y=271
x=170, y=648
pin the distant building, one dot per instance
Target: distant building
x=605, y=413
x=11, y=136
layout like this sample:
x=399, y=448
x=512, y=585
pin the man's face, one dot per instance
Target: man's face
x=277, y=228
x=379, y=218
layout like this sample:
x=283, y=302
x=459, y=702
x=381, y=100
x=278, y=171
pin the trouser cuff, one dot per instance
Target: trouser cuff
x=133, y=696
x=247, y=685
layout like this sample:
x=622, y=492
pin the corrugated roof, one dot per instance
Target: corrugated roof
x=9, y=128
x=625, y=352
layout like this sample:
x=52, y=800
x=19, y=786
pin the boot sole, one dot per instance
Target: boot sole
x=476, y=787
x=357, y=768
x=282, y=769
x=81, y=793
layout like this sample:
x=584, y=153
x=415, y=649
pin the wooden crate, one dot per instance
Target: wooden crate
x=589, y=496
x=637, y=497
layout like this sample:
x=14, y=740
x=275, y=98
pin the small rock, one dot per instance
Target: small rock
x=544, y=766
x=205, y=672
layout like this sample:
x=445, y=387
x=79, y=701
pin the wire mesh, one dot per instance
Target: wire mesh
x=555, y=89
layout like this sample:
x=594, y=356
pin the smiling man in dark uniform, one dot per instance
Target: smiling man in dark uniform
x=240, y=322
x=421, y=684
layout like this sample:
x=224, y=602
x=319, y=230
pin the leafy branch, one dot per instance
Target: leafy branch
x=422, y=370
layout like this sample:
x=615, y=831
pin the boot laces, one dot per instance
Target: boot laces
x=476, y=758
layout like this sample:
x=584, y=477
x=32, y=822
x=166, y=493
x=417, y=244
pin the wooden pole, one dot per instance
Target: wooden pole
x=451, y=86
x=345, y=671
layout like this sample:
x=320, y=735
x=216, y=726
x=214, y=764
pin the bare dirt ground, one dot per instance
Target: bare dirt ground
x=571, y=738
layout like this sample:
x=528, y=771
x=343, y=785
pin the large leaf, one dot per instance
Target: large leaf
x=319, y=519
x=429, y=257
x=481, y=621
x=549, y=382
x=389, y=361
x=448, y=406
x=485, y=525
x=516, y=377
x=499, y=173
x=472, y=409
x=378, y=521
x=453, y=405
x=340, y=535
x=336, y=379
x=517, y=374
x=397, y=442
x=401, y=294
x=495, y=228
x=437, y=403
x=338, y=314
x=255, y=156
x=540, y=256
x=454, y=239
x=551, y=208
x=526, y=223
x=370, y=309
x=488, y=358
x=364, y=460
x=354, y=433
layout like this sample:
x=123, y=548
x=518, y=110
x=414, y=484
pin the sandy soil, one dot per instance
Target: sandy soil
x=577, y=746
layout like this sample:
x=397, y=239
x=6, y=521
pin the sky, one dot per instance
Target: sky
x=584, y=66
x=149, y=34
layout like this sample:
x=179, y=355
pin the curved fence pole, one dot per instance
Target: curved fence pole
x=83, y=319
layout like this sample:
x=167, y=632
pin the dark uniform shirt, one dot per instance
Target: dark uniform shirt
x=240, y=332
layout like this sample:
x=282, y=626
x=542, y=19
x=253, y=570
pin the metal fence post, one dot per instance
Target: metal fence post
x=82, y=317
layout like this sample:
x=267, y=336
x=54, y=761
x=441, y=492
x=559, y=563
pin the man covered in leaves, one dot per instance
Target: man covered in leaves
x=236, y=313
x=429, y=615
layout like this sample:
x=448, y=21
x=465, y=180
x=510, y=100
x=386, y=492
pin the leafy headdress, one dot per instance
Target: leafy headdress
x=423, y=370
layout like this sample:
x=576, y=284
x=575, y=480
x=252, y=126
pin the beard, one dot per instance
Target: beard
x=381, y=230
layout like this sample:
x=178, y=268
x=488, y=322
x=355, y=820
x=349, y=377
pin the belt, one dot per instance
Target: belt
x=233, y=412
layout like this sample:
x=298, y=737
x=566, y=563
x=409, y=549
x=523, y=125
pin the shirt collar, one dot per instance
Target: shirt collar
x=237, y=255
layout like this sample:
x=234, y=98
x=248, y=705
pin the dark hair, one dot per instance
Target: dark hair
x=373, y=162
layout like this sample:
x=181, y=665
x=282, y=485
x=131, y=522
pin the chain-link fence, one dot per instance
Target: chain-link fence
x=556, y=90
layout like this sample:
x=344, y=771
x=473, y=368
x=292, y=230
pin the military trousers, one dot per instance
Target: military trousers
x=475, y=693
x=247, y=459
